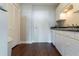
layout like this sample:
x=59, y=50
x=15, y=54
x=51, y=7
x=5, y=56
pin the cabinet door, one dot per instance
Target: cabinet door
x=71, y=47
x=66, y=42
x=57, y=14
x=60, y=9
x=53, y=36
x=68, y=34
x=76, y=6
x=70, y=44
x=59, y=43
x=76, y=35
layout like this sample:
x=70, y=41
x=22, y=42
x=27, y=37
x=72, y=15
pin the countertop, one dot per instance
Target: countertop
x=70, y=28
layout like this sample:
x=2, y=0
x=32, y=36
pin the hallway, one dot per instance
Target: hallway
x=35, y=49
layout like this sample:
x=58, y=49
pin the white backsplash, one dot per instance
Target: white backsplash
x=73, y=19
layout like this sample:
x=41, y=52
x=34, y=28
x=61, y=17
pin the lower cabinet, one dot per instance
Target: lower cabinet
x=66, y=43
x=53, y=37
x=71, y=47
x=59, y=43
x=66, y=46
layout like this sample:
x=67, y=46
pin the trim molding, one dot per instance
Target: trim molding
x=25, y=42
x=21, y=42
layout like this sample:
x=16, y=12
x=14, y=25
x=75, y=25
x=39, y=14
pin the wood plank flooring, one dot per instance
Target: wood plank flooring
x=35, y=49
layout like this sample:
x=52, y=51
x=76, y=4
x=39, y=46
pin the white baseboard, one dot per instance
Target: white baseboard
x=25, y=42
x=32, y=42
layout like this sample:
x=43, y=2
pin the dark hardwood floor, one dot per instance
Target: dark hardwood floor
x=35, y=49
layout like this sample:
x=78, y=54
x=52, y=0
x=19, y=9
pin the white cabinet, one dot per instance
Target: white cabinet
x=67, y=46
x=58, y=43
x=57, y=14
x=76, y=34
x=60, y=9
x=67, y=43
x=76, y=6
x=53, y=36
x=71, y=47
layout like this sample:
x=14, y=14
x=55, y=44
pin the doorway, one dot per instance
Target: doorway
x=40, y=24
x=36, y=22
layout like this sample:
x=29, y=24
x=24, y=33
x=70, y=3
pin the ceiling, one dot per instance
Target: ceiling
x=53, y=4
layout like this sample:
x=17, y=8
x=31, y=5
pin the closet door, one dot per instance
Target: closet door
x=40, y=25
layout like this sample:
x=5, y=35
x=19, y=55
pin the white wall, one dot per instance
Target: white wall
x=9, y=28
x=26, y=23
x=13, y=24
x=3, y=32
x=27, y=17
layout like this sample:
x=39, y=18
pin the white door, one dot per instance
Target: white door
x=41, y=28
x=3, y=33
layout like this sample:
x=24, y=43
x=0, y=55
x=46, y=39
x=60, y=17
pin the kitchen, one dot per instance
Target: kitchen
x=65, y=33
x=60, y=26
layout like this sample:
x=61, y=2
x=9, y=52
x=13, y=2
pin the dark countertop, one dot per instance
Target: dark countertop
x=70, y=28
x=66, y=27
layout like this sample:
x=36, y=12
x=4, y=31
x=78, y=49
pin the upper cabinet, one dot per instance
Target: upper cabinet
x=68, y=12
x=62, y=10
x=59, y=10
x=76, y=7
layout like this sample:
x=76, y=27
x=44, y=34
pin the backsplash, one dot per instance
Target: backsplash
x=72, y=19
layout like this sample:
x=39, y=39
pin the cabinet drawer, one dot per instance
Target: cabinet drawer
x=69, y=34
x=71, y=47
x=67, y=43
x=76, y=36
x=66, y=33
x=59, y=43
